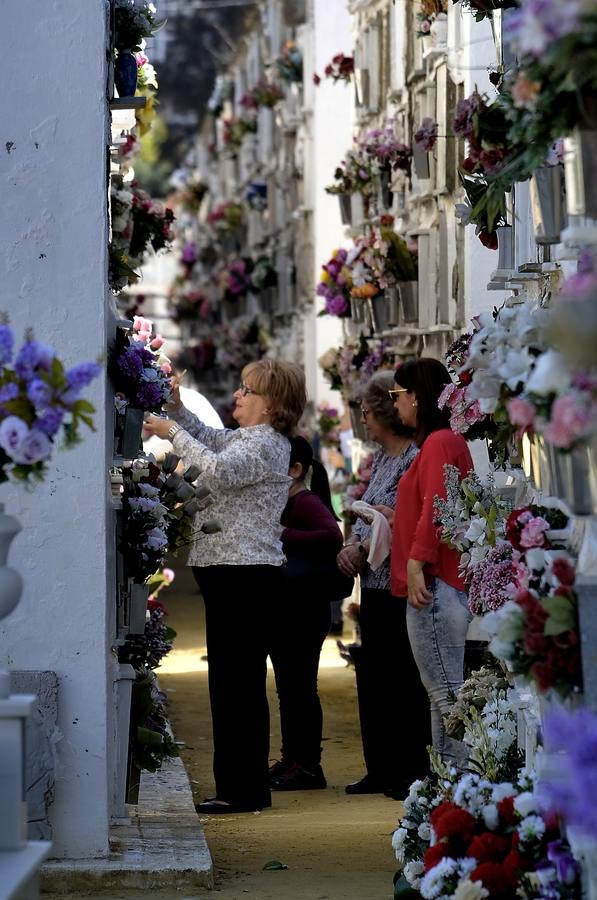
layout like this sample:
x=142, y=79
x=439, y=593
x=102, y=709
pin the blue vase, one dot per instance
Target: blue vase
x=125, y=73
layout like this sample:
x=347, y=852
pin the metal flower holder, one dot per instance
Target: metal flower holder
x=409, y=300
x=547, y=204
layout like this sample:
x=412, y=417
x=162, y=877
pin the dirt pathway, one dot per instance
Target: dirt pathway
x=336, y=847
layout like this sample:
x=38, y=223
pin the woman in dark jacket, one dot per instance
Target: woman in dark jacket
x=311, y=539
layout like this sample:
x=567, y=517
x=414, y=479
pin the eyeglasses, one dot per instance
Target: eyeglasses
x=244, y=389
x=365, y=412
x=395, y=391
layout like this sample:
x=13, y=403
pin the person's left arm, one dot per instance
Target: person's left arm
x=247, y=460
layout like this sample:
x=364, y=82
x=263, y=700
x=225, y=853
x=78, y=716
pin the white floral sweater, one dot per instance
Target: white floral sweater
x=247, y=471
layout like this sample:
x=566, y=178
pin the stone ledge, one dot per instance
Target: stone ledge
x=162, y=846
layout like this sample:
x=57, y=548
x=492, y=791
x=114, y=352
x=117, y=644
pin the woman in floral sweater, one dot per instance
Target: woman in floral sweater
x=239, y=569
x=425, y=571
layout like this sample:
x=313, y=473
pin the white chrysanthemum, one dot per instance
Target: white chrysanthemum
x=491, y=816
x=470, y=890
x=432, y=885
x=408, y=823
x=411, y=872
x=398, y=843
x=424, y=831
x=531, y=828
x=501, y=791
x=525, y=804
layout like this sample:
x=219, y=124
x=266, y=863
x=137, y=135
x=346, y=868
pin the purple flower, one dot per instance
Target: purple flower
x=6, y=344
x=39, y=393
x=32, y=356
x=189, y=253
x=81, y=375
x=34, y=448
x=566, y=866
x=426, y=136
x=130, y=362
x=149, y=395
x=336, y=305
x=50, y=422
x=538, y=23
x=569, y=786
x=464, y=116
x=156, y=539
x=9, y=392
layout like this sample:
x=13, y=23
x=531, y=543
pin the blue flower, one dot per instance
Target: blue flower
x=6, y=344
x=9, y=392
x=50, y=422
x=33, y=356
x=82, y=374
x=39, y=393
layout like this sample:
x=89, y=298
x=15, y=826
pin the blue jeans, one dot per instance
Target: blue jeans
x=437, y=636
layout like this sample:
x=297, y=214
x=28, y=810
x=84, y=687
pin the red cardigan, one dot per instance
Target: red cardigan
x=415, y=534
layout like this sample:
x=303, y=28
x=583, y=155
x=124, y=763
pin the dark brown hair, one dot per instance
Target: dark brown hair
x=283, y=385
x=425, y=378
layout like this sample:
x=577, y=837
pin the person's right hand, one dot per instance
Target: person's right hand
x=387, y=511
x=174, y=402
x=350, y=560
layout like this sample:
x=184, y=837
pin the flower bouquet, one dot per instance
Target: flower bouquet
x=341, y=68
x=382, y=145
x=237, y=278
x=226, y=217
x=357, y=174
x=328, y=362
x=39, y=400
x=151, y=739
x=263, y=274
x=466, y=417
x=335, y=283
x=144, y=652
x=265, y=93
x=188, y=303
x=359, y=482
x=357, y=363
x=426, y=136
x=144, y=540
x=430, y=10
x=386, y=256
x=139, y=373
x=151, y=224
x=289, y=64
x=134, y=21
x=235, y=129
x=328, y=425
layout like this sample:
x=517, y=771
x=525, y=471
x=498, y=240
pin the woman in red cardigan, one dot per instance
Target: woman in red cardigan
x=425, y=571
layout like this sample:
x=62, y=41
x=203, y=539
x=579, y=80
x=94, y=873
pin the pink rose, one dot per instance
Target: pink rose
x=141, y=59
x=533, y=533
x=168, y=575
x=568, y=422
x=166, y=368
x=140, y=323
x=157, y=342
x=521, y=412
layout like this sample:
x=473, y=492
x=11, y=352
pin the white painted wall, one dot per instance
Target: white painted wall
x=53, y=265
x=331, y=136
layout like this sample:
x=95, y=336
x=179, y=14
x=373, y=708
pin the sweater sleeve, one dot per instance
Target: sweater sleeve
x=433, y=457
x=241, y=462
x=213, y=438
x=311, y=524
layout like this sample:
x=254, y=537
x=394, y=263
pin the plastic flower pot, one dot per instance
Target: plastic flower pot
x=574, y=476
x=547, y=204
x=378, y=310
x=505, y=236
x=421, y=162
x=357, y=310
x=345, y=209
x=130, y=445
x=125, y=73
x=580, y=164
x=409, y=300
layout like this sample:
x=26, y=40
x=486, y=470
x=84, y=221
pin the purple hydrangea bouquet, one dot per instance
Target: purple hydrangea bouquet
x=139, y=372
x=335, y=284
x=39, y=400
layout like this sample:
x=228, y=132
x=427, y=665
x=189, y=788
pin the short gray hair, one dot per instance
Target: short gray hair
x=379, y=401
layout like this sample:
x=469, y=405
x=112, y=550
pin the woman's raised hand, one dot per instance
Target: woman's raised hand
x=175, y=402
x=157, y=425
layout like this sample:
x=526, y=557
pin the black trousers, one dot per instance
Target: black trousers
x=393, y=704
x=301, y=625
x=240, y=604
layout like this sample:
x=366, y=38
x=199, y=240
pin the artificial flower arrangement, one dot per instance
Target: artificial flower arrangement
x=198, y=357
x=235, y=128
x=358, y=173
x=428, y=13
x=256, y=195
x=145, y=651
x=226, y=217
x=138, y=223
x=425, y=136
x=328, y=425
x=335, y=283
x=482, y=9
x=140, y=374
x=151, y=224
x=358, y=484
x=537, y=631
x=235, y=279
x=328, y=363
x=187, y=302
x=357, y=363
x=121, y=227
x=40, y=401
x=263, y=274
x=381, y=144
x=500, y=359
x=289, y=64
x=263, y=94
x=471, y=518
x=384, y=258
x=134, y=21
x=466, y=416
x=341, y=68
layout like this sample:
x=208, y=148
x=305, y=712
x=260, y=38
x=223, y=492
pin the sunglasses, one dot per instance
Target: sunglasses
x=395, y=391
x=244, y=389
x=365, y=412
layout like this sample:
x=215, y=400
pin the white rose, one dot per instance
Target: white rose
x=470, y=890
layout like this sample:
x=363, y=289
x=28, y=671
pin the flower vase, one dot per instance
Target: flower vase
x=392, y=302
x=131, y=445
x=547, y=204
x=386, y=195
x=409, y=300
x=345, y=208
x=580, y=165
x=439, y=32
x=574, y=476
x=357, y=311
x=505, y=236
x=378, y=311
x=125, y=73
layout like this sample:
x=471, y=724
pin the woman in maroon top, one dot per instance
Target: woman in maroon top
x=311, y=539
x=425, y=571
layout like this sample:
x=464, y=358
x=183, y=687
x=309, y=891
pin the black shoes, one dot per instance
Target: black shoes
x=296, y=778
x=366, y=785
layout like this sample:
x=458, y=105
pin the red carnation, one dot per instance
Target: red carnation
x=434, y=854
x=440, y=810
x=514, y=864
x=543, y=675
x=535, y=643
x=489, y=847
x=455, y=823
x=495, y=877
x=563, y=571
x=506, y=810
